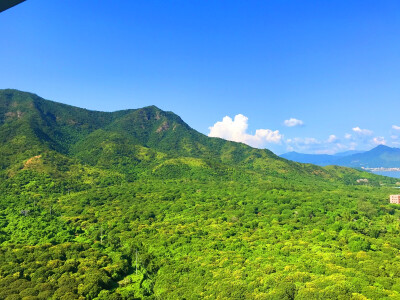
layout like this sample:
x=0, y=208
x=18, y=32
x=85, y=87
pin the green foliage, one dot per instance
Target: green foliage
x=136, y=205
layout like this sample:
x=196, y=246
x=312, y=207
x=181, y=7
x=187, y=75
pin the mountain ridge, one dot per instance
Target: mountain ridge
x=61, y=127
x=380, y=156
x=130, y=141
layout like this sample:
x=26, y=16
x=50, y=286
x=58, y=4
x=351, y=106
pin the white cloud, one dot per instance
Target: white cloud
x=302, y=144
x=395, y=127
x=331, y=145
x=235, y=130
x=292, y=122
x=394, y=137
x=362, y=131
x=311, y=141
x=396, y=144
x=303, y=141
x=332, y=138
x=353, y=146
x=342, y=147
x=379, y=140
x=361, y=139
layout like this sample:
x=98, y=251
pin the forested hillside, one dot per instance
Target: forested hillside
x=135, y=204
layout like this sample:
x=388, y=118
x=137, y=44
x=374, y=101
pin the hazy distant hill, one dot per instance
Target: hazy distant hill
x=380, y=156
x=319, y=159
x=347, y=153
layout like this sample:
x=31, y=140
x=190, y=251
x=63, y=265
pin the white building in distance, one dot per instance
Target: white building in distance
x=395, y=199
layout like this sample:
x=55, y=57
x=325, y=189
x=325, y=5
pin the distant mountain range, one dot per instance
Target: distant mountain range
x=379, y=157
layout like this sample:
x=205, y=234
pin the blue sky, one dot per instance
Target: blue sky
x=234, y=69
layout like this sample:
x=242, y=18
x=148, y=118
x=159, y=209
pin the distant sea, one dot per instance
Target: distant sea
x=395, y=174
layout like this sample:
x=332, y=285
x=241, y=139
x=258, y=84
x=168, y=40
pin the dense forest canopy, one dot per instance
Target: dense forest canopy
x=135, y=204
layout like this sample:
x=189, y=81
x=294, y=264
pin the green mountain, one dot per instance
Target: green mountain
x=380, y=156
x=135, y=204
x=129, y=141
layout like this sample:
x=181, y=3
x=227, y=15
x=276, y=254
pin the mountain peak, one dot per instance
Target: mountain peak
x=93, y=135
x=151, y=108
x=382, y=147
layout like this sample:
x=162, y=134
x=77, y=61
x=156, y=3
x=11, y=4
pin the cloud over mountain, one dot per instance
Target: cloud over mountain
x=332, y=138
x=313, y=145
x=236, y=130
x=379, y=140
